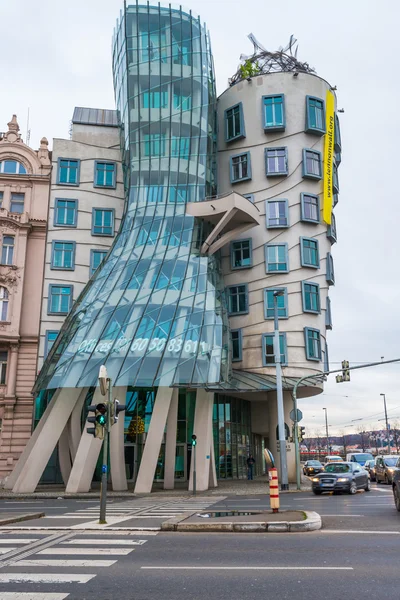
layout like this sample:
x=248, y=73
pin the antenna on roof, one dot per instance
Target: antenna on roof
x=28, y=131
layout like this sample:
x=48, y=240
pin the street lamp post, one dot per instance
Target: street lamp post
x=279, y=397
x=327, y=431
x=387, y=425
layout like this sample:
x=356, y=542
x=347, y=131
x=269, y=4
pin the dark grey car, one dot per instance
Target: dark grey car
x=341, y=477
x=370, y=467
x=385, y=468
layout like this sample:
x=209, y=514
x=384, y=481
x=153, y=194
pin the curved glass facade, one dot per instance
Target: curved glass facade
x=154, y=311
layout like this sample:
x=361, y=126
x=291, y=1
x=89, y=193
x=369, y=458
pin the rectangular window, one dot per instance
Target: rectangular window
x=268, y=349
x=338, y=138
x=237, y=299
x=65, y=213
x=60, y=299
x=182, y=101
x=68, y=171
x=63, y=255
x=277, y=213
x=315, y=115
x=154, y=193
x=326, y=359
x=148, y=234
x=96, y=258
x=310, y=297
x=7, y=250
x=276, y=162
x=282, y=303
x=234, y=123
x=1, y=199
x=241, y=254
x=105, y=174
x=330, y=271
x=312, y=164
x=178, y=194
x=3, y=303
x=236, y=344
x=240, y=167
x=277, y=258
x=180, y=147
x=328, y=314
x=103, y=221
x=313, y=343
x=51, y=337
x=249, y=197
x=274, y=113
x=155, y=99
x=153, y=45
x=17, y=203
x=310, y=208
x=3, y=366
x=154, y=144
x=335, y=179
x=331, y=230
x=309, y=252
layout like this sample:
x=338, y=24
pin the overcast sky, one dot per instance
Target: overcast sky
x=57, y=55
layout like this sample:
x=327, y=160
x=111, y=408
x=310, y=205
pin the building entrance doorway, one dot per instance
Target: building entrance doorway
x=130, y=462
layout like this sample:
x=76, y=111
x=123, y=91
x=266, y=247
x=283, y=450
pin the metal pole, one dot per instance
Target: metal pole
x=279, y=399
x=104, y=470
x=387, y=425
x=327, y=432
x=194, y=470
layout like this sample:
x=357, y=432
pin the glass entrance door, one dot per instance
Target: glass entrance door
x=180, y=462
x=130, y=462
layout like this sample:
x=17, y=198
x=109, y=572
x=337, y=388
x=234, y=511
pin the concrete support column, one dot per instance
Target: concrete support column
x=52, y=425
x=203, y=429
x=170, y=444
x=273, y=423
x=74, y=424
x=64, y=456
x=12, y=371
x=154, y=438
x=117, y=446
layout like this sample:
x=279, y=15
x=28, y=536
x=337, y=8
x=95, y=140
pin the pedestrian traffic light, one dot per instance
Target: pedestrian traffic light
x=194, y=440
x=116, y=408
x=99, y=420
x=301, y=431
x=345, y=376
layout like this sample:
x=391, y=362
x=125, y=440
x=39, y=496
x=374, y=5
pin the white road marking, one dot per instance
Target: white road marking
x=95, y=542
x=253, y=568
x=5, y=550
x=86, y=551
x=44, y=578
x=339, y=515
x=380, y=490
x=17, y=540
x=51, y=562
x=369, y=531
x=32, y=596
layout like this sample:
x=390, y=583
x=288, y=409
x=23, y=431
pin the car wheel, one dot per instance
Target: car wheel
x=317, y=492
x=396, y=495
x=353, y=488
x=368, y=486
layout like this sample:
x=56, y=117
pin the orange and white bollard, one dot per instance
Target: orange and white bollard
x=273, y=489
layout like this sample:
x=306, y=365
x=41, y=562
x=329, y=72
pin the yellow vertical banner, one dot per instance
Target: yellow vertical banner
x=328, y=157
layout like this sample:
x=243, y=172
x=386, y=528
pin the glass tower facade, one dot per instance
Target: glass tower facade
x=154, y=310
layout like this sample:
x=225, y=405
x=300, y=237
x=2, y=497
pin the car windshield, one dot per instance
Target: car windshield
x=337, y=468
x=362, y=457
x=314, y=463
x=391, y=462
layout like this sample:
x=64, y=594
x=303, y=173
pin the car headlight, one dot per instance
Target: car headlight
x=391, y=469
x=315, y=479
x=342, y=479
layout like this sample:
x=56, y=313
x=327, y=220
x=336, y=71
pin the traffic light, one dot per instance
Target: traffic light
x=301, y=431
x=345, y=376
x=194, y=438
x=116, y=408
x=99, y=420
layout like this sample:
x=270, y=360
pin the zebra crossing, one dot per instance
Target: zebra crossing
x=58, y=560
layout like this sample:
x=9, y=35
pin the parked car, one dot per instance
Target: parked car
x=385, y=467
x=341, y=477
x=396, y=486
x=312, y=467
x=333, y=458
x=359, y=457
x=370, y=467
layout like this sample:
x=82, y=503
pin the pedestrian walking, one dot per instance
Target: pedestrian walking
x=250, y=465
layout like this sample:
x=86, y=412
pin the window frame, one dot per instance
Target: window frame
x=267, y=217
x=242, y=131
x=49, y=299
x=308, y=330
x=235, y=268
x=282, y=336
x=308, y=128
x=78, y=172
x=112, y=211
x=94, y=251
x=272, y=128
x=114, y=178
x=6, y=248
x=240, y=342
x=56, y=208
x=248, y=167
x=331, y=231
x=266, y=246
x=305, y=173
x=330, y=269
x=328, y=314
x=249, y=197
x=302, y=260
x=303, y=216
x=4, y=301
x=18, y=202
x=338, y=136
x=284, y=173
x=46, y=341
x=4, y=367
x=242, y=312
x=17, y=170
x=285, y=300
x=52, y=266
x=335, y=178
x=303, y=297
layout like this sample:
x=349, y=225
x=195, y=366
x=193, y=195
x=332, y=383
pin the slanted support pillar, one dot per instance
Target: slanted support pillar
x=117, y=447
x=203, y=429
x=170, y=444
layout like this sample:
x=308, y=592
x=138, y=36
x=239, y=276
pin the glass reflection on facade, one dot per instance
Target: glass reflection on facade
x=153, y=312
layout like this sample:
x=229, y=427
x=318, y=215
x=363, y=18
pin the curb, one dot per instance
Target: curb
x=312, y=522
x=18, y=518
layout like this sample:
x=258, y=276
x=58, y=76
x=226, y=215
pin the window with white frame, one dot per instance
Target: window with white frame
x=281, y=303
x=310, y=208
x=3, y=366
x=234, y=124
x=103, y=221
x=277, y=259
x=12, y=167
x=277, y=213
x=313, y=343
x=240, y=167
x=274, y=112
x=3, y=303
x=268, y=349
x=311, y=297
x=17, y=203
x=315, y=115
x=65, y=212
x=96, y=258
x=63, y=255
x=105, y=174
x=276, y=161
x=7, y=250
x=309, y=252
x=312, y=168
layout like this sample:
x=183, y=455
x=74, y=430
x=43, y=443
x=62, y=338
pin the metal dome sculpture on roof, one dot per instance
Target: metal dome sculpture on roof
x=262, y=61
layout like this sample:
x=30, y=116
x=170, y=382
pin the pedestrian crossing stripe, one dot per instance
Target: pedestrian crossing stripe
x=51, y=562
x=86, y=551
x=45, y=577
x=32, y=596
x=95, y=542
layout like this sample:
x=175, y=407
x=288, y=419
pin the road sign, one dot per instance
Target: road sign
x=299, y=415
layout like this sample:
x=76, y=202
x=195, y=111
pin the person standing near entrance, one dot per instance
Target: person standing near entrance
x=250, y=465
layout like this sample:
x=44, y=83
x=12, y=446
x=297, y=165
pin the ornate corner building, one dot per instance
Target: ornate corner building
x=223, y=206
x=24, y=197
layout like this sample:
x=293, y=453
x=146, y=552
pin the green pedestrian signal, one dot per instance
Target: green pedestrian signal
x=194, y=440
x=99, y=420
